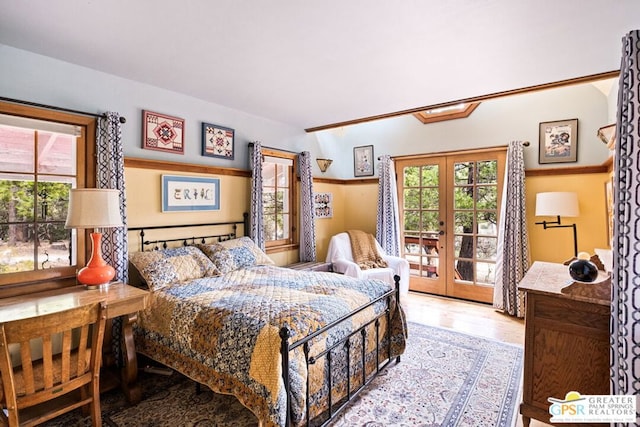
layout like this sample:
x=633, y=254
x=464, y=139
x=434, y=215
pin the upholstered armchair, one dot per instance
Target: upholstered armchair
x=341, y=256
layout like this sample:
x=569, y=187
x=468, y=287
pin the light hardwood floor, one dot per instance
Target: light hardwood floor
x=468, y=317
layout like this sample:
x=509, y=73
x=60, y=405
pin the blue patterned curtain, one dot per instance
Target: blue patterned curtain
x=110, y=174
x=625, y=275
x=256, y=219
x=388, y=224
x=307, y=215
x=512, y=261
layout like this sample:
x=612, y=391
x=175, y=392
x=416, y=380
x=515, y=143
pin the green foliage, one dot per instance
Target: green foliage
x=17, y=204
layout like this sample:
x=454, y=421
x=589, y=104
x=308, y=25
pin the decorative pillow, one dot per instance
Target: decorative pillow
x=245, y=242
x=167, y=266
x=220, y=256
x=236, y=253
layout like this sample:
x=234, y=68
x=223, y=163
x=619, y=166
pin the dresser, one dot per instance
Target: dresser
x=566, y=344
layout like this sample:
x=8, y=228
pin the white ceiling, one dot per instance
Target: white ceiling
x=317, y=63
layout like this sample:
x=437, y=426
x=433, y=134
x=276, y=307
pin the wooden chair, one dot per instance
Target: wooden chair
x=38, y=390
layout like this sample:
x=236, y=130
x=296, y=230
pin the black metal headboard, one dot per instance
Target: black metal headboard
x=163, y=243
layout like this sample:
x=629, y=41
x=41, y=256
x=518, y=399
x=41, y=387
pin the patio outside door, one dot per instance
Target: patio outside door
x=449, y=217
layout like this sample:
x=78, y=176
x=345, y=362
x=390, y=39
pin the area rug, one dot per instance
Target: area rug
x=445, y=378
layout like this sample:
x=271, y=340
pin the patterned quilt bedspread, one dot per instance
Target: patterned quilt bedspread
x=224, y=332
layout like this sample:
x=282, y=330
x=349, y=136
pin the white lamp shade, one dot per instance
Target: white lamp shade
x=93, y=208
x=557, y=203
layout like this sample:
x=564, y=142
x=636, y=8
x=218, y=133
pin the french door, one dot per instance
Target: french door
x=449, y=216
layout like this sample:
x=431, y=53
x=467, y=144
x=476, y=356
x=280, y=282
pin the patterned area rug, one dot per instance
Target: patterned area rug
x=445, y=378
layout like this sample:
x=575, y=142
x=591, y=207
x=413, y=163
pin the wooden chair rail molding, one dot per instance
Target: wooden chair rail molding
x=132, y=162
x=573, y=170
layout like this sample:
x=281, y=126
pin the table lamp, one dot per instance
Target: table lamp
x=94, y=208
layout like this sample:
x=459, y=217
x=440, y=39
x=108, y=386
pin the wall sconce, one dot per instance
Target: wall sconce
x=558, y=204
x=324, y=164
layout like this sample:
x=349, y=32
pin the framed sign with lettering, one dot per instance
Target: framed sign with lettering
x=190, y=193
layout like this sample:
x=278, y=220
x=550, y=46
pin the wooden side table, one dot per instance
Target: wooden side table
x=566, y=344
x=122, y=301
x=311, y=266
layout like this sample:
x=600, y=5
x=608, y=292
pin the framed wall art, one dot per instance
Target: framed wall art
x=190, y=193
x=363, y=160
x=217, y=141
x=323, y=205
x=162, y=133
x=558, y=141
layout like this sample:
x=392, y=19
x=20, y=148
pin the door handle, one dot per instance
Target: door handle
x=441, y=232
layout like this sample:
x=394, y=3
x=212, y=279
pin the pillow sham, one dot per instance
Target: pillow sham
x=219, y=256
x=234, y=254
x=164, y=267
x=245, y=242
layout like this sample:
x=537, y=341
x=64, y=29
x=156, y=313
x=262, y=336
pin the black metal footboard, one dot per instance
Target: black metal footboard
x=334, y=408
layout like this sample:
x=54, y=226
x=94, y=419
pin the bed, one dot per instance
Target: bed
x=293, y=346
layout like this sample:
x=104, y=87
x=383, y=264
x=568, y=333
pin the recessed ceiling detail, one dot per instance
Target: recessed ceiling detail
x=452, y=112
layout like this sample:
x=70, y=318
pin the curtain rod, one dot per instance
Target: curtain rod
x=525, y=143
x=277, y=149
x=51, y=107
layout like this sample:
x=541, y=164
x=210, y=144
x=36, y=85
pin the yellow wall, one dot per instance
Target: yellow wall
x=355, y=207
x=144, y=202
x=556, y=244
x=327, y=227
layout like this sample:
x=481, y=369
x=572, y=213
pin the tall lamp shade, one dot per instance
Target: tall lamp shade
x=94, y=208
x=558, y=204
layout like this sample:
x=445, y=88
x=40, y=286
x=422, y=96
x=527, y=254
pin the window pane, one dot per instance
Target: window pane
x=463, y=246
x=284, y=232
x=487, y=223
x=486, y=273
x=411, y=199
x=411, y=176
x=487, y=197
x=56, y=153
x=283, y=175
x=486, y=248
x=465, y=270
x=430, y=221
x=430, y=198
x=16, y=248
x=463, y=222
x=16, y=199
x=268, y=174
x=488, y=172
x=279, y=201
x=53, y=248
x=463, y=198
x=17, y=148
x=430, y=176
x=463, y=173
x=412, y=220
x=53, y=198
x=269, y=200
x=285, y=200
x=269, y=227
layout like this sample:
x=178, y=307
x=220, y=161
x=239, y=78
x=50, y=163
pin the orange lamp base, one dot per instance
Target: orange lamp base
x=97, y=272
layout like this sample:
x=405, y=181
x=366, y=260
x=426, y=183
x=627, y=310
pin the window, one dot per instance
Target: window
x=41, y=157
x=278, y=198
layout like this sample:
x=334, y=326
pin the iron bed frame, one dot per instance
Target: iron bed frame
x=286, y=347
